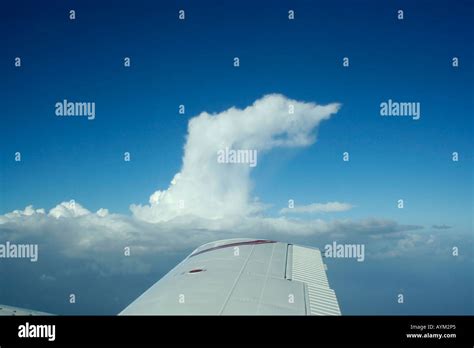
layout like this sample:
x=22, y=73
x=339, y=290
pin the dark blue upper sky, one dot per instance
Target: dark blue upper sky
x=191, y=62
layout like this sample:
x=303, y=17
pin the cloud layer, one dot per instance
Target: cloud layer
x=71, y=231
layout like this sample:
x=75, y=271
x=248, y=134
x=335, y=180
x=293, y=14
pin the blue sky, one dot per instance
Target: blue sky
x=190, y=62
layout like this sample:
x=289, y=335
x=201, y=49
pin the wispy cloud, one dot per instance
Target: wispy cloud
x=441, y=227
x=329, y=207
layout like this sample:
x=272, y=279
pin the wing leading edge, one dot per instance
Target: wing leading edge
x=12, y=311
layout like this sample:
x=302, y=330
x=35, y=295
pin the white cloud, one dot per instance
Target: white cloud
x=68, y=209
x=28, y=211
x=102, y=212
x=329, y=207
x=212, y=190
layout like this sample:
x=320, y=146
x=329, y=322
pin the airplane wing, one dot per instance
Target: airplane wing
x=242, y=277
x=8, y=310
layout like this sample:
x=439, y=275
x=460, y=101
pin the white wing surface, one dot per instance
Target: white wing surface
x=242, y=277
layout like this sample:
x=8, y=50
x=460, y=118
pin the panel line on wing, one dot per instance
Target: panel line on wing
x=237, y=279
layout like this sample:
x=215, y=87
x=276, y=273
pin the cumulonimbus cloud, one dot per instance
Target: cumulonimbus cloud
x=208, y=189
